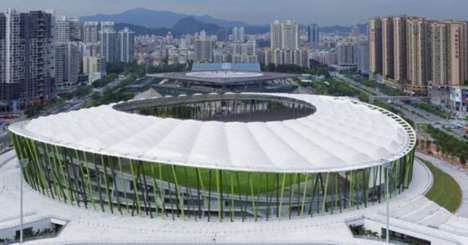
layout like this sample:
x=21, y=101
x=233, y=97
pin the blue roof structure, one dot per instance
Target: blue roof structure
x=251, y=67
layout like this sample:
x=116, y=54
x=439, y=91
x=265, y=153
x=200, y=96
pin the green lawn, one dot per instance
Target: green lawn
x=445, y=191
x=432, y=109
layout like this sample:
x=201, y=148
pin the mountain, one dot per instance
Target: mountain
x=336, y=28
x=187, y=25
x=157, y=19
x=257, y=29
x=140, y=16
x=142, y=30
x=220, y=22
x=191, y=25
x=362, y=28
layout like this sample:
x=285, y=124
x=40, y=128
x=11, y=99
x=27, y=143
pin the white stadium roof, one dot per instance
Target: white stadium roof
x=223, y=74
x=342, y=134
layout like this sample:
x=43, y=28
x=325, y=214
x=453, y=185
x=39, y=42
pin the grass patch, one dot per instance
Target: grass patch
x=432, y=109
x=336, y=87
x=445, y=191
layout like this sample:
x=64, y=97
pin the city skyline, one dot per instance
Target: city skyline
x=261, y=12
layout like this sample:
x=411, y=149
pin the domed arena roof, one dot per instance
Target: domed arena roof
x=341, y=134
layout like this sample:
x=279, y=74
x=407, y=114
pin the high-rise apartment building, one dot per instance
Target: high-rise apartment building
x=290, y=35
x=203, y=49
x=387, y=48
x=448, y=49
x=67, y=66
x=109, y=45
x=26, y=57
x=346, y=54
x=238, y=34
x=126, y=43
x=418, y=53
x=399, y=48
x=244, y=52
x=94, y=67
x=313, y=35
x=107, y=25
x=439, y=51
x=284, y=45
x=90, y=32
x=67, y=53
x=413, y=52
x=67, y=29
x=275, y=35
x=284, y=35
x=375, y=47
x=457, y=53
x=362, y=57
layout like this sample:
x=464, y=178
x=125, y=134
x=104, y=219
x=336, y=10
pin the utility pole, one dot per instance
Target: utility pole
x=23, y=164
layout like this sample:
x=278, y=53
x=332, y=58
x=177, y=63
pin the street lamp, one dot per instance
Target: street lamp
x=387, y=168
x=23, y=164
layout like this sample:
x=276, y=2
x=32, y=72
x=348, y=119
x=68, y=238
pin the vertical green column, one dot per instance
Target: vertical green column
x=119, y=161
x=106, y=182
x=268, y=195
x=209, y=194
x=162, y=192
x=177, y=188
x=219, y=195
x=252, y=193
x=239, y=191
x=155, y=190
x=88, y=180
x=277, y=188
x=199, y=186
x=188, y=193
x=325, y=192
x=291, y=181
x=306, y=180
x=55, y=172
x=60, y=159
x=37, y=166
x=232, y=196
x=314, y=185
x=67, y=162
x=116, y=188
x=145, y=189
x=366, y=186
x=283, y=184
x=135, y=187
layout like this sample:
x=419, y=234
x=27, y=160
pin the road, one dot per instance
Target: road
x=417, y=115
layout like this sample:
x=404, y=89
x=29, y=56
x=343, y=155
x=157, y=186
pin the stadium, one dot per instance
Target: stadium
x=219, y=157
x=224, y=77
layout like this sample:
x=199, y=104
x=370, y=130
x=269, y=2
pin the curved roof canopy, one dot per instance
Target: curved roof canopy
x=343, y=134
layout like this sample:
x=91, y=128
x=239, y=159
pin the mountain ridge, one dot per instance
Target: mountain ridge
x=157, y=19
x=147, y=21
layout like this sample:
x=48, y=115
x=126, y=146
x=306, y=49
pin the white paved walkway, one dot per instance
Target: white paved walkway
x=88, y=226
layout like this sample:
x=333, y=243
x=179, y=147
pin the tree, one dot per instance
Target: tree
x=462, y=159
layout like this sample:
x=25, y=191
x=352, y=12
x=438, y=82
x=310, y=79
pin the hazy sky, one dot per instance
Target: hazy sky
x=324, y=12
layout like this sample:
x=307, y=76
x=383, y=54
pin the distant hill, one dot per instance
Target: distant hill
x=220, y=22
x=187, y=25
x=146, y=21
x=157, y=19
x=142, y=30
x=191, y=25
x=343, y=29
x=336, y=28
x=140, y=16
